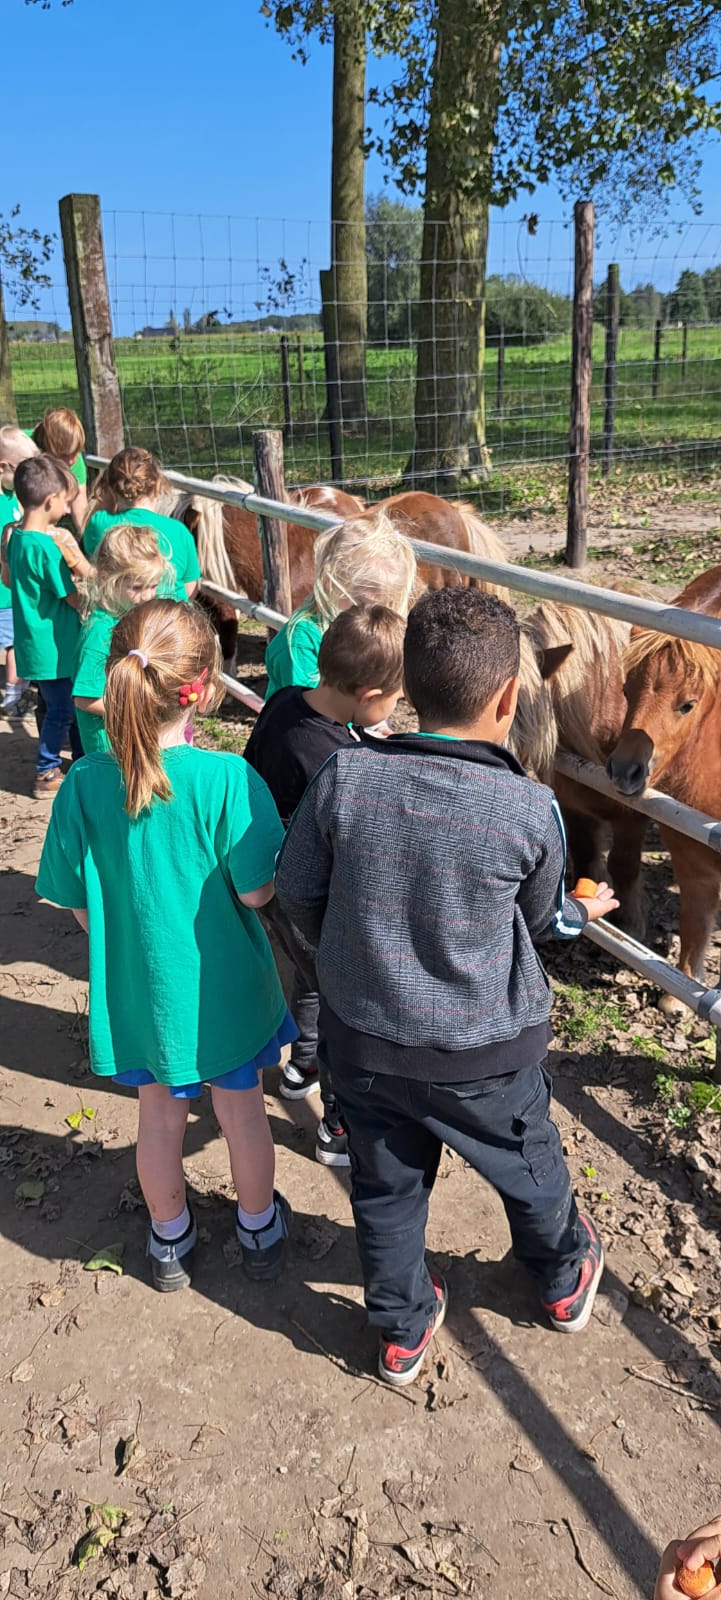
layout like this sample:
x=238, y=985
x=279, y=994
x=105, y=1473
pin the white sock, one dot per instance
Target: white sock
x=13, y=693
x=252, y=1220
x=174, y=1229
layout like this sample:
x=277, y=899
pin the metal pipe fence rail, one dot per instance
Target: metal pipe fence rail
x=650, y=614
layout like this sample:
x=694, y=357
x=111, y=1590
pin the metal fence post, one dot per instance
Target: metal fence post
x=500, y=370
x=613, y=314
x=8, y=412
x=656, y=359
x=285, y=383
x=82, y=233
x=579, y=444
x=270, y=482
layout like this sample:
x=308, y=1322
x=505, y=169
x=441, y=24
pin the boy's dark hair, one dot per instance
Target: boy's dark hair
x=363, y=649
x=38, y=477
x=461, y=646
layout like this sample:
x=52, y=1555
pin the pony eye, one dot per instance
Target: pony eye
x=688, y=705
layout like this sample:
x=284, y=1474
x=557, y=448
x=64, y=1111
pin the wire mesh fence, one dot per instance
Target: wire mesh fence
x=218, y=332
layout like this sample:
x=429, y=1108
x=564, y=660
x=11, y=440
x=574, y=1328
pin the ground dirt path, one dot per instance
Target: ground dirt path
x=242, y=1431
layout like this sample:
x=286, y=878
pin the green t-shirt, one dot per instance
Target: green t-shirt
x=79, y=470
x=10, y=511
x=45, y=627
x=89, y=681
x=292, y=656
x=182, y=979
x=175, y=542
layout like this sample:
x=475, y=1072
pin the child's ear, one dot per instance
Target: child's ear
x=506, y=703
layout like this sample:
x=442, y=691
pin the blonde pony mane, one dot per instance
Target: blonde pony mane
x=697, y=661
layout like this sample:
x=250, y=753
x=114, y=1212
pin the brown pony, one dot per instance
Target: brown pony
x=672, y=736
x=579, y=707
x=453, y=523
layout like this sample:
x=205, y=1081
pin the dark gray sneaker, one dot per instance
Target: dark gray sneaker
x=263, y=1249
x=171, y=1260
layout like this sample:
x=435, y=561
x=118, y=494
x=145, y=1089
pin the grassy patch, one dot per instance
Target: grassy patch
x=218, y=735
x=586, y=1013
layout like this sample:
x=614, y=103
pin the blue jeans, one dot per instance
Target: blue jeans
x=59, y=722
x=502, y=1127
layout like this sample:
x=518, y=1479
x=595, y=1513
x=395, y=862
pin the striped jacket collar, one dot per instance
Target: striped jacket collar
x=479, y=751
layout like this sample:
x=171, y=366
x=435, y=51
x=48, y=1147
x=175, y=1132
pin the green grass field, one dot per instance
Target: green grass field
x=196, y=401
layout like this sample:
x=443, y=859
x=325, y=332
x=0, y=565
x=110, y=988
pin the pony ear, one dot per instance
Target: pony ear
x=636, y=630
x=552, y=659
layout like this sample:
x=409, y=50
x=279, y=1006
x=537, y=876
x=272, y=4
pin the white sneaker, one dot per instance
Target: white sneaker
x=297, y=1085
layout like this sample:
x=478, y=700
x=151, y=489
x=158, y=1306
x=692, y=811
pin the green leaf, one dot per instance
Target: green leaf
x=92, y=1544
x=111, y=1517
x=109, y=1259
x=31, y=1192
x=88, y=1113
x=74, y=1120
x=589, y=1172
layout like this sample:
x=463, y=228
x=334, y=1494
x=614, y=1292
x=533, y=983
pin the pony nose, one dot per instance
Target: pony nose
x=629, y=776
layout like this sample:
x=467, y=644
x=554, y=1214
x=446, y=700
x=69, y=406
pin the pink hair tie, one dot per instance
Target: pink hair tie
x=140, y=656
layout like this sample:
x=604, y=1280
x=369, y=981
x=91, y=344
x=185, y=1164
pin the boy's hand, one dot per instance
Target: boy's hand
x=703, y=1545
x=599, y=904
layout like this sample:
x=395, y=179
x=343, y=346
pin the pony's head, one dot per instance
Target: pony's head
x=670, y=685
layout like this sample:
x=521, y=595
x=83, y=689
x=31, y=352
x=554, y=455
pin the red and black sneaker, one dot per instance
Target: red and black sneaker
x=399, y=1366
x=572, y=1312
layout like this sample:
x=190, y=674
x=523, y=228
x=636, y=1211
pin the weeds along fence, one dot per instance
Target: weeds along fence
x=214, y=329
x=273, y=512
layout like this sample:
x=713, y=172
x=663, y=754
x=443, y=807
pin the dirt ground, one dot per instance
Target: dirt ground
x=240, y=1431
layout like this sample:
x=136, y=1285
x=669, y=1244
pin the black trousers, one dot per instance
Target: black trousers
x=502, y=1127
x=304, y=1002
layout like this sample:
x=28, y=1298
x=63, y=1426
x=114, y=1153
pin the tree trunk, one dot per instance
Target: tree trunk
x=8, y=412
x=450, y=441
x=348, y=230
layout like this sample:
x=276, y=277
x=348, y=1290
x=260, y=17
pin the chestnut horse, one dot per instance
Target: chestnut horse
x=672, y=736
x=230, y=555
x=574, y=701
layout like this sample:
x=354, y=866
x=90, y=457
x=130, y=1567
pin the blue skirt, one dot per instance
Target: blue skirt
x=243, y=1077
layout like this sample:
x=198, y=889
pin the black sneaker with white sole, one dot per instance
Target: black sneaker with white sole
x=171, y=1260
x=331, y=1145
x=263, y=1248
x=398, y=1365
x=571, y=1313
x=295, y=1084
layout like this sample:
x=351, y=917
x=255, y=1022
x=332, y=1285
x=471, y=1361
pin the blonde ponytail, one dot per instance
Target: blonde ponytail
x=156, y=648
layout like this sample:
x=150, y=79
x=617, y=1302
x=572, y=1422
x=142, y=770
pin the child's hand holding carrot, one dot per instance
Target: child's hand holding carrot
x=598, y=898
x=691, y=1567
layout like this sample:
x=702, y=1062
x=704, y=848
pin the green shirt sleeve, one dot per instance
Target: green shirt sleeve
x=255, y=831
x=292, y=656
x=53, y=571
x=80, y=471
x=95, y=639
x=185, y=556
x=60, y=874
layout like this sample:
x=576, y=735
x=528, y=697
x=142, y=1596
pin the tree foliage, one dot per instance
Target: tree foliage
x=393, y=249
x=24, y=254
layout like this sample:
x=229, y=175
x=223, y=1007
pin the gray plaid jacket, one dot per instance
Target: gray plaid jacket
x=422, y=871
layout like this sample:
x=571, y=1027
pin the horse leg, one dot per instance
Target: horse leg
x=584, y=834
x=225, y=622
x=697, y=871
x=624, y=869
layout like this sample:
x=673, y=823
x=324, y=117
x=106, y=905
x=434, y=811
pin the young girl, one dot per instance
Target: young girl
x=60, y=433
x=163, y=852
x=128, y=491
x=130, y=570
x=361, y=561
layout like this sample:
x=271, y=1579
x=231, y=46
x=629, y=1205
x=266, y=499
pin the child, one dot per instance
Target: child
x=60, y=433
x=702, y=1546
x=15, y=446
x=355, y=562
x=128, y=492
x=45, y=606
x=360, y=665
x=163, y=851
x=422, y=868
x=130, y=570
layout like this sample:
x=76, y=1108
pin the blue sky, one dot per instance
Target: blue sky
x=179, y=111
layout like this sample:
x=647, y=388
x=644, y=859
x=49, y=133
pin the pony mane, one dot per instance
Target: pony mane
x=533, y=736
x=589, y=679
x=692, y=660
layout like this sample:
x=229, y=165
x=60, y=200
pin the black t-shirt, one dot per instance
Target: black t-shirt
x=289, y=744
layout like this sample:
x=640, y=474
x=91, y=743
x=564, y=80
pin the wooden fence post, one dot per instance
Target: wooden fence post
x=285, y=383
x=500, y=373
x=82, y=233
x=8, y=412
x=613, y=315
x=684, y=348
x=270, y=482
x=656, y=359
x=579, y=445
x=333, y=409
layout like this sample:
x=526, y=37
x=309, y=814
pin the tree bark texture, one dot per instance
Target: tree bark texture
x=579, y=445
x=348, y=230
x=89, y=298
x=270, y=482
x=450, y=441
x=8, y=412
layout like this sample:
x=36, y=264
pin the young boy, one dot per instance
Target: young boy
x=45, y=606
x=422, y=870
x=15, y=446
x=360, y=665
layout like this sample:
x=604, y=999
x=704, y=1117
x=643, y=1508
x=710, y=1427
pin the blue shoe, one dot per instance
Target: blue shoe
x=171, y=1260
x=263, y=1248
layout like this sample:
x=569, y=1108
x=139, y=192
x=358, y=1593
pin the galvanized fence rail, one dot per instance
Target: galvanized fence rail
x=651, y=614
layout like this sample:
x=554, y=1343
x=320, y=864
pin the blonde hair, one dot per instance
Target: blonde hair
x=16, y=446
x=126, y=552
x=132, y=475
x=362, y=560
x=176, y=643
x=60, y=433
